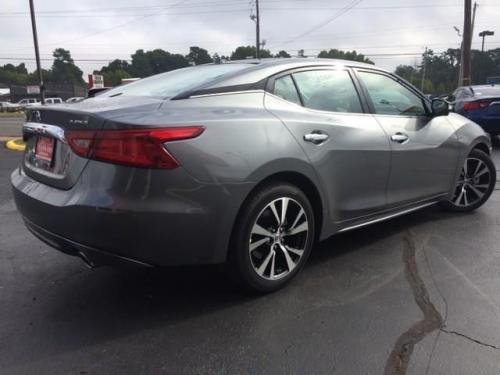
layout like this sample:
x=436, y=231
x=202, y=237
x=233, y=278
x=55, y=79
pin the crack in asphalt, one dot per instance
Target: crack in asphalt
x=476, y=341
x=399, y=359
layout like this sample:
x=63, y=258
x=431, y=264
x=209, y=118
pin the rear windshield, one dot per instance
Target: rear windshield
x=173, y=83
x=487, y=91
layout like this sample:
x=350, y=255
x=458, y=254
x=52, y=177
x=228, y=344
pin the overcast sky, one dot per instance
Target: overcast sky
x=105, y=30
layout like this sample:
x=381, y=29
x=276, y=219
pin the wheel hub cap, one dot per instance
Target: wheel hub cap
x=473, y=183
x=278, y=238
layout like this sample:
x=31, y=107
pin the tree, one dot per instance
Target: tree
x=140, y=64
x=157, y=61
x=14, y=75
x=344, y=55
x=114, y=72
x=64, y=68
x=282, y=54
x=483, y=66
x=244, y=52
x=198, y=56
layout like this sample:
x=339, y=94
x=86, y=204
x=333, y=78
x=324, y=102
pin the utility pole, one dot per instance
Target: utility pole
x=257, y=29
x=467, y=38
x=37, y=52
x=484, y=34
x=424, y=66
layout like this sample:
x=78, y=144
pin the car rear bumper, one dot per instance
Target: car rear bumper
x=91, y=256
x=114, y=213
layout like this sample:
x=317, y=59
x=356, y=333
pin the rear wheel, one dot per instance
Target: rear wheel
x=475, y=184
x=273, y=237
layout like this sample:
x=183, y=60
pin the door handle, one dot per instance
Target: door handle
x=399, y=138
x=316, y=137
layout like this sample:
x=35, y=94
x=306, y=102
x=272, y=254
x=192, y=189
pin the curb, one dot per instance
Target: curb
x=15, y=144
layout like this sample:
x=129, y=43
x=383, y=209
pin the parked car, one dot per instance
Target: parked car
x=53, y=101
x=248, y=163
x=74, y=99
x=27, y=102
x=481, y=104
x=8, y=107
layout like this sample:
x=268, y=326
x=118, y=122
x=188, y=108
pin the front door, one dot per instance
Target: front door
x=424, y=148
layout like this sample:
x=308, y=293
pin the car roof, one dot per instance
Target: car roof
x=305, y=61
x=258, y=70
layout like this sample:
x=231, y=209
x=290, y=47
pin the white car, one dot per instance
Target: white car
x=27, y=102
x=53, y=101
x=8, y=107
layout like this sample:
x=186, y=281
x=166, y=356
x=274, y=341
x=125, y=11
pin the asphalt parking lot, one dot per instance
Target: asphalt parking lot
x=416, y=295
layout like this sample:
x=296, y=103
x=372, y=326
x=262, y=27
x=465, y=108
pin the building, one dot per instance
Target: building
x=52, y=90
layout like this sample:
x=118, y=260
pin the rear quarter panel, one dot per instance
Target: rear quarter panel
x=242, y=145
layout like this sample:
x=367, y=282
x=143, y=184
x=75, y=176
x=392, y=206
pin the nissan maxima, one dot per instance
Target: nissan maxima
x=246, y=163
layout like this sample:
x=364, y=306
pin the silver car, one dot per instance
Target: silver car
x=248, y=163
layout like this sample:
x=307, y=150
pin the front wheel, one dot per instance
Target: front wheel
x=273, y=237
x=475, y=184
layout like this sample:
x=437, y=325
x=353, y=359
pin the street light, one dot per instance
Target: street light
x=484, y=34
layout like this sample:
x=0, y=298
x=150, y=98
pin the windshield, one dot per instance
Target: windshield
x=173, y=83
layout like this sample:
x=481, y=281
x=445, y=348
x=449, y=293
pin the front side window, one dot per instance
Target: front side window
x=328, y=90
x=285, y=89
x=390, y=97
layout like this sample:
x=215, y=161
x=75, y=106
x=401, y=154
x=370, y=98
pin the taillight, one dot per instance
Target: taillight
x=142, y=148
x=470, y=106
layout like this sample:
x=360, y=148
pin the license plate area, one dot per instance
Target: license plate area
x=44, y=150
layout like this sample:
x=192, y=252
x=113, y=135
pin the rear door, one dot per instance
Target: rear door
x=424, y=149
x=347, y=147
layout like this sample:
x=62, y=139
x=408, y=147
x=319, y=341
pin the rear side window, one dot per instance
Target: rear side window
x=328, y=90
x=390, y=97
x=285, y=89
x=174, y=82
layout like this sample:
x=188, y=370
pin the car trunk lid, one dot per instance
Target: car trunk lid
x=48, y=157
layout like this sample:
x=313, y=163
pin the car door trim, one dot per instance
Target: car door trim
x=387, y=217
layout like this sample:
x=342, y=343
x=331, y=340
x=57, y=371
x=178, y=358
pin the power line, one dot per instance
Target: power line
x=229, y=3
x=344, y=10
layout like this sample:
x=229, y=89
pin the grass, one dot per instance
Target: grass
x=12, y=115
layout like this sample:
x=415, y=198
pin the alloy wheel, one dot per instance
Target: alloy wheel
x=473, y=183
x=278, y=238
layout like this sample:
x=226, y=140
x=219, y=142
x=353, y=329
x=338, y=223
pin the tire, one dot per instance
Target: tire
x=477, y=185
x=255, y=249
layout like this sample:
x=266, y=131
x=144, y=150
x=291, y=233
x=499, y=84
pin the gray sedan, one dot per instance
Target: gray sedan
x=245, y=163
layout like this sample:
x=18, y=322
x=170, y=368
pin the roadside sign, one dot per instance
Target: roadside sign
x=32, y=89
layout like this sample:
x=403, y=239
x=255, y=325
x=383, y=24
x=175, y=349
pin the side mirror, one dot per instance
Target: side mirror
x=440, y=107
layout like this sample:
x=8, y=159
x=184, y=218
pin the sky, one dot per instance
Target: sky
x=389, y=32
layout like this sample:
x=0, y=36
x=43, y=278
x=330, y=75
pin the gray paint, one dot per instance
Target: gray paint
x=186, y=215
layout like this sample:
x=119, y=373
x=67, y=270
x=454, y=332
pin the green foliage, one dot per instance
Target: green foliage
x=282, y=54
x=197, y=56
x=244, y=52
x=64, y=68
x=344, y=55
x=156, y=61
x=441, y=70
x=14, y=75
